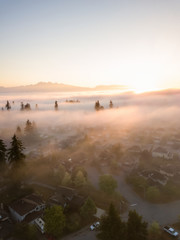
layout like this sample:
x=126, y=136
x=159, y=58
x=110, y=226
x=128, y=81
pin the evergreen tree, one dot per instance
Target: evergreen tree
x=28, y=128
x=97, y=106
x=110, y=104
x=111, y=226
x=136, y=228
x=22, y=106
x=2, y=152
x=15, y=153
x=8, y=106
x=18, y=131
x=56, y=105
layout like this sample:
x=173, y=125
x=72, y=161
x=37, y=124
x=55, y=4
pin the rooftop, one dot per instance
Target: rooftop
x=26, y=204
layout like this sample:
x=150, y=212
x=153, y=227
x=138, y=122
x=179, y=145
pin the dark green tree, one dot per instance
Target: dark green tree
x=107, y=183
x=25, y=231
x=88, y=209
x=2, y=152
x=55, y=221
x=136, y=228
x=111, y=226
x=15, y=152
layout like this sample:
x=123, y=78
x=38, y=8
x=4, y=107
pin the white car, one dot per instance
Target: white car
x=94, y=226
x=171, y=231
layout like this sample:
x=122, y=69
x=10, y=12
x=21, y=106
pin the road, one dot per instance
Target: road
x=83, y=234
x=163, y=213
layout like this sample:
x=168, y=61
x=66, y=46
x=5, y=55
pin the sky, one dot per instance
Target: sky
x=90, y=42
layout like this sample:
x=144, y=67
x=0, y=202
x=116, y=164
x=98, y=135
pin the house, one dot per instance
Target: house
x=76, y=202
x=134, y=149
x=63, y=196
x=40, y=224
x=168, y=171
x=162, y=153
x=157, y=177
x=66, y=196
x=154, y=176
x=29, y=206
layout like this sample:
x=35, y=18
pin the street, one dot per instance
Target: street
x=163, y=213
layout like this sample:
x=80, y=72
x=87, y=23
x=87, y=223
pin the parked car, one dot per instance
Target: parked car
x=171, y=231
x=94, y=226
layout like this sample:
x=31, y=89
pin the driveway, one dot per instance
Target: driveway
x=163, y=213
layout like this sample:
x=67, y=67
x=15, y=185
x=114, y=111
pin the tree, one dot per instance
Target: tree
x=107, y=184
x=56, y=105
x=15, y=152
x=179, y=220
x=154, y=231
x=8, y=106
x=18, y=131
x=152, y=193
x=80, y=180
x=59, y=174
x=97, y=105
x=111, y=226
x=66, y=181
x=136, y=228
x=76, y=170
x=27, y=107
x=28, y=128
x=25, y=231
x=22, y=106
x=2, y=152
x=88, y=209
x=55, y=221
x=110, y=104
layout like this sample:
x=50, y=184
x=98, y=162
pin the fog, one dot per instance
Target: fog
x=131, y=115
x=88, y=137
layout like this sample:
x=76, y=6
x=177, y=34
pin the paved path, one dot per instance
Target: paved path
x=163, y=213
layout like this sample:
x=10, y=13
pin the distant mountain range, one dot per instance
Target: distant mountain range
x=59, y=87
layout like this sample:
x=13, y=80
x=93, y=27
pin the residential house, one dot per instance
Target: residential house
x=27, y=207
x=154, y=176
x=40, y=224
x=162, y=153
x=62, y=196
x=134, y=149
x=66, y=196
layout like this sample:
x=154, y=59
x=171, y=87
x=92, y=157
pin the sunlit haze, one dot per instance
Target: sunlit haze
x=89, y=43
